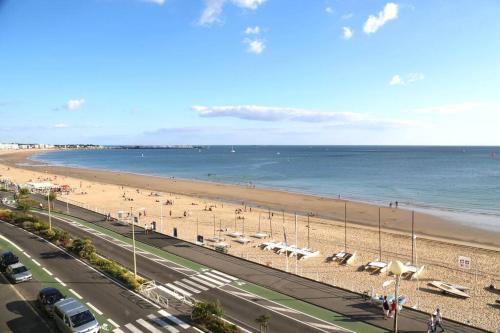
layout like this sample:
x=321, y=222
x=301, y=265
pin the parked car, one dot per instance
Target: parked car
x=6, y=259
x=71, y=316
x=47, y=297
x=17, y=273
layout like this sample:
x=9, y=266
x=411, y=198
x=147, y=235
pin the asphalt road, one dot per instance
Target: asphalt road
x=236, y=309
x=111, y=300
x=18, y=314
x=325, y=296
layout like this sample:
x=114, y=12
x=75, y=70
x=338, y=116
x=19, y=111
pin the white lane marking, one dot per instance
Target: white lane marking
x=197, y=285
x=47, y=271
x=148, y=326
x=168, y=291
x=75, y=293
x=133, y=329
x=243, y=294
x=280, y=309
x=179, y=290
x=225, y=275
x=159, y=259
x=183, y=269
x=11, y=242
x=216, y=277
x=62, y=283
x=187, y=287
x=117, y=330
x=331, y=327
x=27, y=255
x=210, y=279
x=174, y=319
x=36, y=262
x=202, y=281
x=94, y=308
x=163, y=324
x=113, y=323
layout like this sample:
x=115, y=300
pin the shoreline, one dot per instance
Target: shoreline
x=359, y=213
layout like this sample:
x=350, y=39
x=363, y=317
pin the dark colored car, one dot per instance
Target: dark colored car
x=47, y=297
x=6, y=259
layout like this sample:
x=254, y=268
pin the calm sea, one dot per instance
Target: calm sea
x=461, y=183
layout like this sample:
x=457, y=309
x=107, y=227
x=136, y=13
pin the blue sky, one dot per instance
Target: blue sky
x=250, y=72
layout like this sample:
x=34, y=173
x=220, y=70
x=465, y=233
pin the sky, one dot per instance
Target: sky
x=421, y=72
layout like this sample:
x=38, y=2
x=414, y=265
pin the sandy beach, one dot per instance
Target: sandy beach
x=209, y=209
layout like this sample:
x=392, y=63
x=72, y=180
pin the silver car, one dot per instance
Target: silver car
x=17, y=273
x=71, y=316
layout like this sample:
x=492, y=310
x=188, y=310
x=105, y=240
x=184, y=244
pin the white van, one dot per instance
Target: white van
x=72, y=316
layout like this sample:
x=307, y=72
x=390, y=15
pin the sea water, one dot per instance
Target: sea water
x=461, y=183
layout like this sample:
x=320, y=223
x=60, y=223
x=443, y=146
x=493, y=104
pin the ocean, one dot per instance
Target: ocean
x=458, y=183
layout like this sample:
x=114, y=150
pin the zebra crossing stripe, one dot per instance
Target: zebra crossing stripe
x=148, y=326
x=197, y=285
x=224, y=275
x=211, y=280
x=176, y=295
x=174, y=319
x=203, y=281
x=117, y=330
x=163, y=324
x=218, y=278
x=179, y=290
x=187, y=287
x=133, y=329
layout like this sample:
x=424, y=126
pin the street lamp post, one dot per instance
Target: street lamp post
x=133, y=242
x=397, y=268
x=50, y=216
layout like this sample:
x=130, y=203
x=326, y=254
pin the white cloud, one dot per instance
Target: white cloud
x=74, y=104
x=347, y=32
x=373, y=23
x=409, y=78
x=347, y=16
x=329, y=10
x=270, y=114
x=396, y=80
x=252, y=30
x=61, y=125
x=213, y=9
x=156, y=2
x=462, y=108
x=255, y=46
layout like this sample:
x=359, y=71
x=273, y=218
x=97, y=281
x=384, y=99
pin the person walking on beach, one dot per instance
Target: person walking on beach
x=390, y=204
x=385, y=306
x=431, y=328
x=439, y=320
x=396, y=204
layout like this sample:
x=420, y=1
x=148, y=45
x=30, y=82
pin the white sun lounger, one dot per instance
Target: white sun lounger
x=235, y=234
x=451, y=289
x=260, y=235
x=377, y=266
x=243, y=240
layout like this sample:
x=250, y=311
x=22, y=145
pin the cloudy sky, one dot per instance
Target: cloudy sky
x=250, y=72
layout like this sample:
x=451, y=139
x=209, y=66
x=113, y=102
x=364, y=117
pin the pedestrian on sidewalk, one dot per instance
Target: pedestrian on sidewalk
x=393, y=308
x=385, y=306
x=431, y=327
x=439, y=320
x=145, y=228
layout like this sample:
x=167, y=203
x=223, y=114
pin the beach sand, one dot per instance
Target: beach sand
x=209, y=207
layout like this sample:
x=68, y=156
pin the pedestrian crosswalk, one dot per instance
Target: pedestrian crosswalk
x=160, y=322
x=197, y=283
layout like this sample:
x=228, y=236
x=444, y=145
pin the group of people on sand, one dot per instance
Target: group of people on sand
x=395, y=204
x=435, y=319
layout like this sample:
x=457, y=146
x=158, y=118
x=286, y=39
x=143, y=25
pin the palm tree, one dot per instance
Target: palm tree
x=263, y=321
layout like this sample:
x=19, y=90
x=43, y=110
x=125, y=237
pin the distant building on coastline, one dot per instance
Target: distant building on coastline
x=18, y=146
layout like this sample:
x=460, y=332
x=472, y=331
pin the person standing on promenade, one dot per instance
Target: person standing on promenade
x=431, y=328
x=394, y=308
x=439, y=320
x=385, y=306
x=145, y=228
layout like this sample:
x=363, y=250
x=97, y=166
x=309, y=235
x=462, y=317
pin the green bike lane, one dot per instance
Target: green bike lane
x=325, y=315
